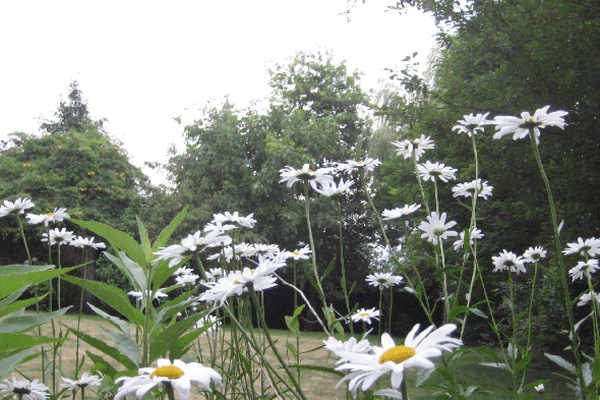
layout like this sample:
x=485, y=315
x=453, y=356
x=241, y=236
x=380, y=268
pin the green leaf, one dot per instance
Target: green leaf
x=292, y=349
x=180, y=346
x=166, y=233
x=145, y=240
x=292, y=321
x=391, y=393
x=23, y=269
x=161, y=343
x=132, y=270
x=496, y=365
x=423, y=375
x=13, y=341
x=15, y=281
x=112, y=296
x=457, y=311
x=23, y=323
x=561, y=362
x=102, y=365
x=8, y=364
x=117, y=239
x=125, y=344
x=106, y=349
x=523, y=363
x=328, y=270
x=122, y=325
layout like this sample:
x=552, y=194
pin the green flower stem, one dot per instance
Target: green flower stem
x=262, y=355
x=444, y=281
x=170, y=391
x=24, y=239
x=312, y=246
x=380, y=309
x=424, y=305
x=561, y=262
x=344, y=282
x=79, y=313
x=420, y=184
x=467, y=244
x=514, y=340
x=403, y=391
x=390, y=310
x=265, y=329
x=594, y=316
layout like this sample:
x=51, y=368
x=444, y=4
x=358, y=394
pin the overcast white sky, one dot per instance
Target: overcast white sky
x=141, y=63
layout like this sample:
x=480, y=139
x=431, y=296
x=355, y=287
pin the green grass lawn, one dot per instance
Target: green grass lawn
x=321, y=385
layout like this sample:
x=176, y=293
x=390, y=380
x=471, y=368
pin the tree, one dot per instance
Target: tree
x=233, y=158
x=73, y=115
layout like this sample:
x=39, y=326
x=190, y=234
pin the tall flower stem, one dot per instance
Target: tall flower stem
x=265, y=329
x=312, y=246
x=420, y=184
x=24, y=239
x=467, y=243
x=561, y=263
x=79, y=313
x=344, y=282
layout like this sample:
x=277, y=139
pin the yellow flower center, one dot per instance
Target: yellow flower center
x=365, y=314
x=397, y=354
x=49, y=214
x=168, y=371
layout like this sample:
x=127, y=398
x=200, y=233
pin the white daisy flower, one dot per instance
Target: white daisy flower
x=247, y=221
x=364, y=315
x=521, y=127
x=591, y=247
x=57, y=216
x=17, y=207
x=416, y=352
x=534, y=254
x=351, y=165
x=176, y=253
x=186, y=279
x=436, y=171
x=300, y=254
x=140, y=296
x=291, y=175
x=467, y=189
x=218, y=227
x=59, y=237
x=587, y=298
x=472, y=123
x=214, y=274
x=333, y=190
x=351, y=345
x=460, y=243
x=409, y=147
x=179, y=375
x=85, y=381
x=82, y=242
x=22, y=389
x=436, y=228
x=507, y=260
x=207, y=320
x=383, y=280
x=584, y=268
x=399, y=212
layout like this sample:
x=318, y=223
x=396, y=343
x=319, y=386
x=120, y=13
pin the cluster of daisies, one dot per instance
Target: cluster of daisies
x=53, y=236
x=214, y=241
x=23, y=389
x=365, y=364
